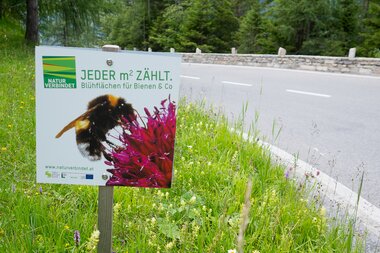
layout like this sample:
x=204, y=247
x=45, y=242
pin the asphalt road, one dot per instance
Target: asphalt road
x=331, y=121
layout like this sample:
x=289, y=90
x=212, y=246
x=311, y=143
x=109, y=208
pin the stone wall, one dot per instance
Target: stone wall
x=365, y=66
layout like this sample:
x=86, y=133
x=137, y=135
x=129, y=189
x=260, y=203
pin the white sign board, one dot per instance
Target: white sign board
x=105, y=118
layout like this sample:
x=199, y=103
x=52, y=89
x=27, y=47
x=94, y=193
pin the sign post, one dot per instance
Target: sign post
x=105, y=208
x=105, y=201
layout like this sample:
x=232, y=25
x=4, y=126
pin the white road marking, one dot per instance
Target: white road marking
x=191, y=77
x=235, y=83
x=309, y=93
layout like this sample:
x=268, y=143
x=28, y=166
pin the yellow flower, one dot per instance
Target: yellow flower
x=66, y=227
x=3, y=149
x=10, y=126
x=255, y=251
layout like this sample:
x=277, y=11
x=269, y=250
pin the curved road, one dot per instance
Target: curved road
x=331, y=121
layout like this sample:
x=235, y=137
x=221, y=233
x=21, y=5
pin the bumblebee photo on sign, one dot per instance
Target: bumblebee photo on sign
x=105, y=118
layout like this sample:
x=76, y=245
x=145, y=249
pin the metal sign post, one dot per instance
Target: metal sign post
x=105, y=208
x=105, y=201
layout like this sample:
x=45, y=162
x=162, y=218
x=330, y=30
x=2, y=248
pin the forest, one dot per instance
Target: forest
x=304, y=27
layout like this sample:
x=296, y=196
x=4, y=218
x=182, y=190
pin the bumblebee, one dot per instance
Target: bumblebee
x=91, y=128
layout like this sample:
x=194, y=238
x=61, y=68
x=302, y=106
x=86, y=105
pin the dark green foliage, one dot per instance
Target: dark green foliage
x=299, y=21
x=310, y=27
x=129, y=29
x=70, y=22
x=371, y=34
x=165, y=31
x=255, y=32
x=209, y=25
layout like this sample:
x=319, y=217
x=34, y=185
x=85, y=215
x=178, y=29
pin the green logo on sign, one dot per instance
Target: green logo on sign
x=59, y=72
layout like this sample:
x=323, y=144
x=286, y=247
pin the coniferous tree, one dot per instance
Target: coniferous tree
x=67, y=22
x=371, y=32
x=165, y=32
x=209, y=25
x=255, y=32
x=348, y=16
x=299, y=21
x=130, y=28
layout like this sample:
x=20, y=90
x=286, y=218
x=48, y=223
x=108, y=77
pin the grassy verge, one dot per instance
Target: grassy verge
x=201, y=213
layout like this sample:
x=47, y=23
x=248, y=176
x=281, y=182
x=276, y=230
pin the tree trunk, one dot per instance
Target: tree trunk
x=31, y=34
x=1, y=9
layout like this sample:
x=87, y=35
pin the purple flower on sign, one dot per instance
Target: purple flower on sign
x=145, y=158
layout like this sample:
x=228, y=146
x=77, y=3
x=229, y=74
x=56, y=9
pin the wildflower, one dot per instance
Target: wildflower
x=40, y=189
x=93, y=241
x=76, y=238
x=3, y=149
x=66, y=227
x=287, y=174
x=195, y=228
x=145, y=158
x=255, y=251
x=170, y=245
x=232, y=251
x=9, y=126
x=116, y=209
x=322, y=211
x=192, y=200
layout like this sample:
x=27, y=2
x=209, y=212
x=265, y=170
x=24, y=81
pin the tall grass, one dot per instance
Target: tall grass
x=201, y=213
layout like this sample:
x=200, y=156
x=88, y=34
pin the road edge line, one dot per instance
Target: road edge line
x=367, y=213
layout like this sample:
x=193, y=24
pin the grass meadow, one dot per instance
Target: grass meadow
x=202, y=212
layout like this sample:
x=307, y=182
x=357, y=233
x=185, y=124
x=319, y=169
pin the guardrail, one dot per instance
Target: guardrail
x=350, y=65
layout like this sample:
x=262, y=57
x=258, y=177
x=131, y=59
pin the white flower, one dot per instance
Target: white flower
x=169, y=245
x=93, y=241
x=322, y=211
x=192, y=200
x=232, y=251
